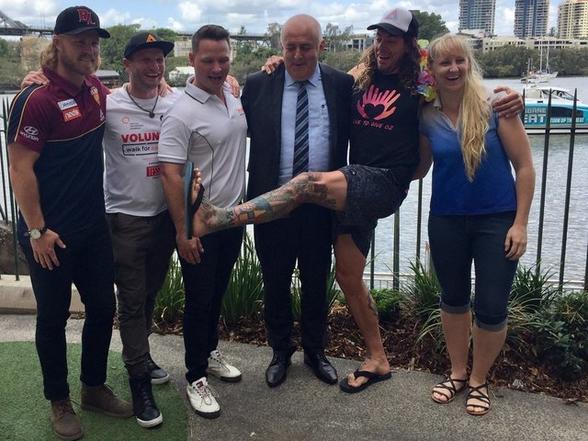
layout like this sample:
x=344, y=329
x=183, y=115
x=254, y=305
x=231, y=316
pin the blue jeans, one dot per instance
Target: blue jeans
x=455, y=242
x=87, y=263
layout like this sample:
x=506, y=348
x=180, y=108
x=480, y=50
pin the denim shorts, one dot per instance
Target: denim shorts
x=457, y=241
x=372, y=193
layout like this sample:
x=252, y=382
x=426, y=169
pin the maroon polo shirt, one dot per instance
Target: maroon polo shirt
x=65, y=125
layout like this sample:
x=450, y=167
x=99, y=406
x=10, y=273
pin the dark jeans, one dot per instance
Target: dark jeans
x=456, y=241
x=205, y=285
x=305, y=237
x=142, y=247
x=86, y=262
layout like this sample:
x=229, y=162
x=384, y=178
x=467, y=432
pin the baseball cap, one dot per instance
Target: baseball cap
x=77, y=19
x=144, y=40
x=398, y=21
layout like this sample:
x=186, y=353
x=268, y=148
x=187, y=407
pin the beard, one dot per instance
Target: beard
x=82, y=66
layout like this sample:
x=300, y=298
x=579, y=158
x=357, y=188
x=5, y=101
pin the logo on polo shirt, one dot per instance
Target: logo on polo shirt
x=67, y=104
x=30, y=132
x=70, y=114
x=95, y=94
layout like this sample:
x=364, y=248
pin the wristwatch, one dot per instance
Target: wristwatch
x=36, y=233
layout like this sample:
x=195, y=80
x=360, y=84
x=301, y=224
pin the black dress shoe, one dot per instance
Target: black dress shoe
x=321, y=367
x=277, y=370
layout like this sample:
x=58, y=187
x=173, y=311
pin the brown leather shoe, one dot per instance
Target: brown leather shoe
x=102, y=399
x=66, y=424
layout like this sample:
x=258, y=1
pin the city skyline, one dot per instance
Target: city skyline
x=187, y=15
x=531, y=18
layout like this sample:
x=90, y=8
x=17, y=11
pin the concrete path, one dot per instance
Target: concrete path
x=303, y=408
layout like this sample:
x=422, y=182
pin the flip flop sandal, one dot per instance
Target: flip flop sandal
x=189, y=207
x=371, y=376
x=448, y=385
x=482, y=399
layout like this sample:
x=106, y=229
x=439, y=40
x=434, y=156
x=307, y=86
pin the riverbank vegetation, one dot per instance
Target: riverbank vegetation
x=546, y=349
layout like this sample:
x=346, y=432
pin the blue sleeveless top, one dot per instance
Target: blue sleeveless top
x=493, y=187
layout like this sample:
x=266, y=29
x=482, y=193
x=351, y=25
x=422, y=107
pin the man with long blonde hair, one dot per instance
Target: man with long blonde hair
x=55, y=149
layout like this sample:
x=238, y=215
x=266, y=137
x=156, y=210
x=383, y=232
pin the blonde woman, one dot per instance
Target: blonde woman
x=479, y=213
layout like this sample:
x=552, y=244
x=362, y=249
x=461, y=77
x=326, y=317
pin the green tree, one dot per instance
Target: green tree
x=113, y=48
x=506, y=61
x=343, y=60
x=166, y=34
x=247, y=62
x=4, y=48
x=431, y=25
x=335, y=39
x=569, y=61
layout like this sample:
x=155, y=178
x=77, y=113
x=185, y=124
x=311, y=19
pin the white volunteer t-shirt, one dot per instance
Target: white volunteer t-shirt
x=131, y=168
x=200, y=128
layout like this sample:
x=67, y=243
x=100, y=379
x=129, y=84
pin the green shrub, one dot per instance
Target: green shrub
x=562, y=340
x=421, y=303
x=169, y=304
x=531, y=295
x=244, y=295
x=532, y=289
x=388, y=303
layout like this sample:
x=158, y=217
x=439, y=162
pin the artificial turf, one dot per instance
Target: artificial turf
x=24, y=412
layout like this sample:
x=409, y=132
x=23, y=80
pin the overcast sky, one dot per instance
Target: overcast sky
x=189, y=15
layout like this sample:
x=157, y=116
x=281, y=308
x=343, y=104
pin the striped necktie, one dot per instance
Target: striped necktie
x=300, y=162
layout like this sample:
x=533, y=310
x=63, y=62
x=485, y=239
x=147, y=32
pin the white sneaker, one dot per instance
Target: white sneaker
x=218, y=366
x=202, y=399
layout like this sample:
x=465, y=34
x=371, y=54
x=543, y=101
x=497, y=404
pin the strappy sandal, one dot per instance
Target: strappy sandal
x=483, y=400
x=448, y=389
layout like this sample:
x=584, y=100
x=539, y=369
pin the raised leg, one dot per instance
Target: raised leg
x=326, y=189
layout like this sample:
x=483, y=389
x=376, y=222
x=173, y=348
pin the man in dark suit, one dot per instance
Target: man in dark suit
x=298, y=120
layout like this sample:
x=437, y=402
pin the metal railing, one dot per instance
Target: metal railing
x=9, y=209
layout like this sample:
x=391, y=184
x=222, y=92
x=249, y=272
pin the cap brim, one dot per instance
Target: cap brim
x=102, y=33
x=387, y=27
x=165, y=46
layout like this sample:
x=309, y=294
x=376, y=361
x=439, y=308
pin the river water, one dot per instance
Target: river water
x=557, y=169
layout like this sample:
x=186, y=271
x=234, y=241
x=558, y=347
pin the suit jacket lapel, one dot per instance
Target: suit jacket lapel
x=331, y=99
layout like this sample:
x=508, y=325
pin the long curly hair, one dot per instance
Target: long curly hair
x=408, y=71
x=49, y=57
x=474, y=111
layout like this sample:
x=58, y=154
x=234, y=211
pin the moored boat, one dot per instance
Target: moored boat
x=562, y=103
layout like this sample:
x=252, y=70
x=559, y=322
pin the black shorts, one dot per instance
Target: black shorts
x=372, y=193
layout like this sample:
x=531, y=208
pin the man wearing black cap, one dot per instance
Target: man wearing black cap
x=142, y=232
x=55, y=147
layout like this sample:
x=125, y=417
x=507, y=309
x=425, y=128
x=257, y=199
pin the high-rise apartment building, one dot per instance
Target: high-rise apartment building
x=572, y=19
x=477, y=14
x=531, y=18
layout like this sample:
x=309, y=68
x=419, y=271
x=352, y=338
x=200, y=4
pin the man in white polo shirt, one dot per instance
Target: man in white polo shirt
x=207, y=126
